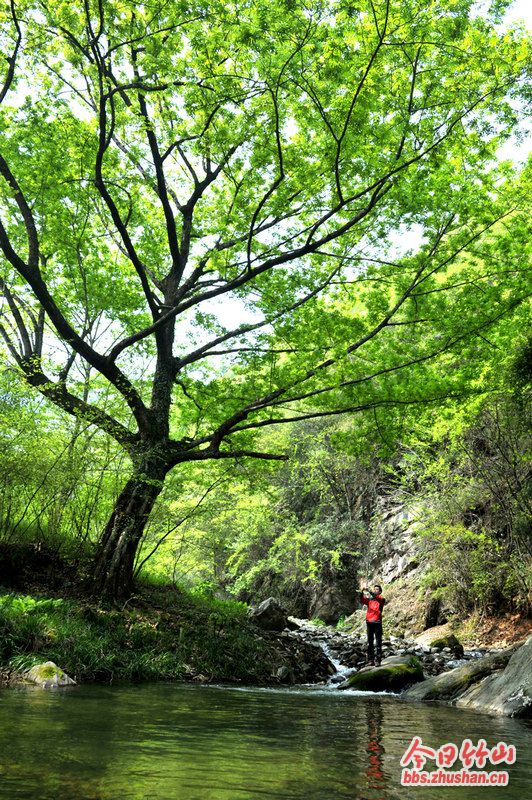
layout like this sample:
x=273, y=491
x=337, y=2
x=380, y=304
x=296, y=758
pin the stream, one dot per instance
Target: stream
x=209, y=742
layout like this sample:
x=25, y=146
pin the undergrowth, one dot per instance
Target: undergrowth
x=166, y=636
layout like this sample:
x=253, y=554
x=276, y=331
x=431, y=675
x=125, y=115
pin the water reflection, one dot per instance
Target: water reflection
x=184, y=742
x=374, y=747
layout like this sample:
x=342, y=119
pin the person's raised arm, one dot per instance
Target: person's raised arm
x=363, y=598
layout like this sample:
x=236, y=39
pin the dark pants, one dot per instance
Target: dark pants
x=374, y=640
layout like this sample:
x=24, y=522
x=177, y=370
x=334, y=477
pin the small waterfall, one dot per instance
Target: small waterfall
x=321, y=637
x=342, y=670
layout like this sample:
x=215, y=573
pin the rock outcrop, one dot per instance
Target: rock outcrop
x=291, y=656
x=393, y=675
x=295, y=660
x=331, y=601
x=395, y=548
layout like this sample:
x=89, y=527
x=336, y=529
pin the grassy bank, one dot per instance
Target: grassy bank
x=164, y=635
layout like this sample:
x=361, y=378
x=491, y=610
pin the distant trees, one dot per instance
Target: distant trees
x=163, y=166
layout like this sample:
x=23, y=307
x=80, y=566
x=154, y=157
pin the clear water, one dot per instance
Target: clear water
x=190, y=742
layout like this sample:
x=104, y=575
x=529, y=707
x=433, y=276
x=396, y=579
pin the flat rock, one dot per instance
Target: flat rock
x=393, y=675
x=48, y=675
x=449, y=685
x=507, y=693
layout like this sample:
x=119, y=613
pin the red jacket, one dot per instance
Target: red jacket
x=374, y=604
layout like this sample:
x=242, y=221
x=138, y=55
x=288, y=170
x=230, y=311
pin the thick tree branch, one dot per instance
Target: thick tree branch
x=12, y=59
x=279, y=396
x=249, y=275
x=157, y=160
x=215, y=454
x=356, y=95
x=31, y=273
x=452, y=342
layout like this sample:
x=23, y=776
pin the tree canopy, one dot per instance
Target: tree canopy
x=218, y=217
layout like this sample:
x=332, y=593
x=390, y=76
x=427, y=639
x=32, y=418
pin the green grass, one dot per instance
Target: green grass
x=166, y=635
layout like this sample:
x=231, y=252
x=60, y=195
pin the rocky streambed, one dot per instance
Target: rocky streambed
x=426, y=669
x=348, y=651
x=490, y=681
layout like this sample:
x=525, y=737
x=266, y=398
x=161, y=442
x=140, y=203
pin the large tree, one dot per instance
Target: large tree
x=166, y=164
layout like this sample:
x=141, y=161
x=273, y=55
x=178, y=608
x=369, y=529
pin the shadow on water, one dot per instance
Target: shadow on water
x=187, y=742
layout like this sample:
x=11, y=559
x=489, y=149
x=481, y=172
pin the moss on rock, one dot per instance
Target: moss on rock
x=450, y=641
x=507, y=693
x=48, y=675
x=393, y=675
x=449, y=685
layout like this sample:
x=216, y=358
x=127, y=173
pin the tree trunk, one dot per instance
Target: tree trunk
x=112, y=576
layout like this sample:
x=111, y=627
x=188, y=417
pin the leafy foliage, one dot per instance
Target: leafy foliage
x=221, y=218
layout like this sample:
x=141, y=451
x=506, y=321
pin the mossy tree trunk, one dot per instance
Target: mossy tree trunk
x=115, y=559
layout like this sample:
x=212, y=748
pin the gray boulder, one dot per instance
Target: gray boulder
x=48, y=675
x=393, y=675
x=507, y=693
x=269, y=615
x=442, y=640
x=450, y=685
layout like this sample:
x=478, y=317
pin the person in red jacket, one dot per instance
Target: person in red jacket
x=373, y=599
